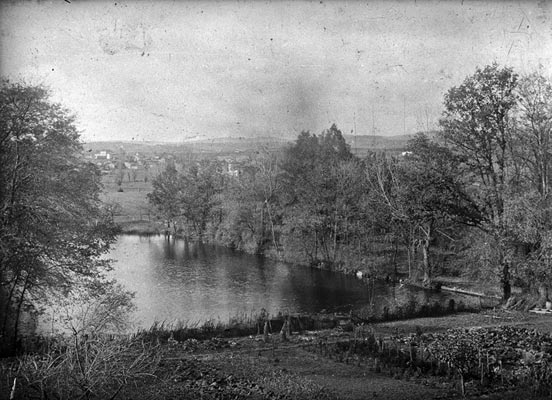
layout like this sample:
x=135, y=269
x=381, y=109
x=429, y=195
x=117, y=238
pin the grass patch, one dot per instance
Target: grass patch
x=79, y=367
x=412, y=309
x=239, y=325
x=132, y=203
x=140, y=227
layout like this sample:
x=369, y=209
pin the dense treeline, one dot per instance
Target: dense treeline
x=473, y=198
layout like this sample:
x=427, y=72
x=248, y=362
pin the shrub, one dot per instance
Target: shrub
x=81, y=367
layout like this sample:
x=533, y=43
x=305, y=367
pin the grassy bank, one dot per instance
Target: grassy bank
x=254, y=324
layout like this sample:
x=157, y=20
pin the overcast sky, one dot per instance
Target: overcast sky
x=167, y=71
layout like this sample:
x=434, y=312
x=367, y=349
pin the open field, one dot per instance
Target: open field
x=132, y=201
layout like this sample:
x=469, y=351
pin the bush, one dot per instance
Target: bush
x=515, y=356
x=81, y=367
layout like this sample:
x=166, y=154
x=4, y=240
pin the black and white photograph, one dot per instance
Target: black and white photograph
x=239, y=199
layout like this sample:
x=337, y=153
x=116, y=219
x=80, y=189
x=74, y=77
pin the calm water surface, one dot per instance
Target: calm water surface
x=179, y=281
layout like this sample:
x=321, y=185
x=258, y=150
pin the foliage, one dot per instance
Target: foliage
x=92, y=309
x=164, y=196
x=186, y=199
x=476, y=193
x=53, y=227
x=532, y=142
x=323, y=185
x=424, y=196
x=250, y=205
x=477, y=124
x=514, y=355
x=528, y=209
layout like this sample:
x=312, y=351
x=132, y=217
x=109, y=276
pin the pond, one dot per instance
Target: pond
x=175, y=280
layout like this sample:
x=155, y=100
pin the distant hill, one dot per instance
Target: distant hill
x=129, y=147
x=374, y=142
x=200, y=145
x=360, y=144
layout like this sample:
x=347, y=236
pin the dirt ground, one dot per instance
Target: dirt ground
x=250, y=368
x=486, y=318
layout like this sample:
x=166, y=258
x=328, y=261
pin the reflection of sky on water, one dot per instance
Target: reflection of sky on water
x=175, y=280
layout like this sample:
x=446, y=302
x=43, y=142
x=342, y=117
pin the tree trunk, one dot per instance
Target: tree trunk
x=425, y=253
x=395, y=252
x=272, y=228
x=7, y=306
x=409, y=255
x=18, y=312
x=14, y=181
x=426, y=264
x=334, y=255
x=284, y=331
x=315, y=244
x=543, y=295
x=410, y=247
x=262, y=225
x=265, y=332
x=505, y=280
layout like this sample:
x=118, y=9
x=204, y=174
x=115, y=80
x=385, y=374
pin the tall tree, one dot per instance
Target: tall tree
x=165, y=197
x=251, y=205
x=425, y=195
x=528, y=210
x=312, y=172
x=186, y=199
x=533, y=134
x=477, y=124
x=53, y=227
x=200, y=185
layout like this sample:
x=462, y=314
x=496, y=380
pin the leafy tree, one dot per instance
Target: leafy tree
x=378, y=224
x=298, y=167
x=164, y=196
x=333, y=145
x=251, y=205
x=53, y=228
x=198, y=195
x=477, y=124
x=424, y=195
x=533, y=135
x=269, y=187
x=528, y=210
x=530, y=228
x=316, y=201
x=187, y=199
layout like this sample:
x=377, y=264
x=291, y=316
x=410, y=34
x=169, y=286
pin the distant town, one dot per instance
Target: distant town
x=135, y=161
